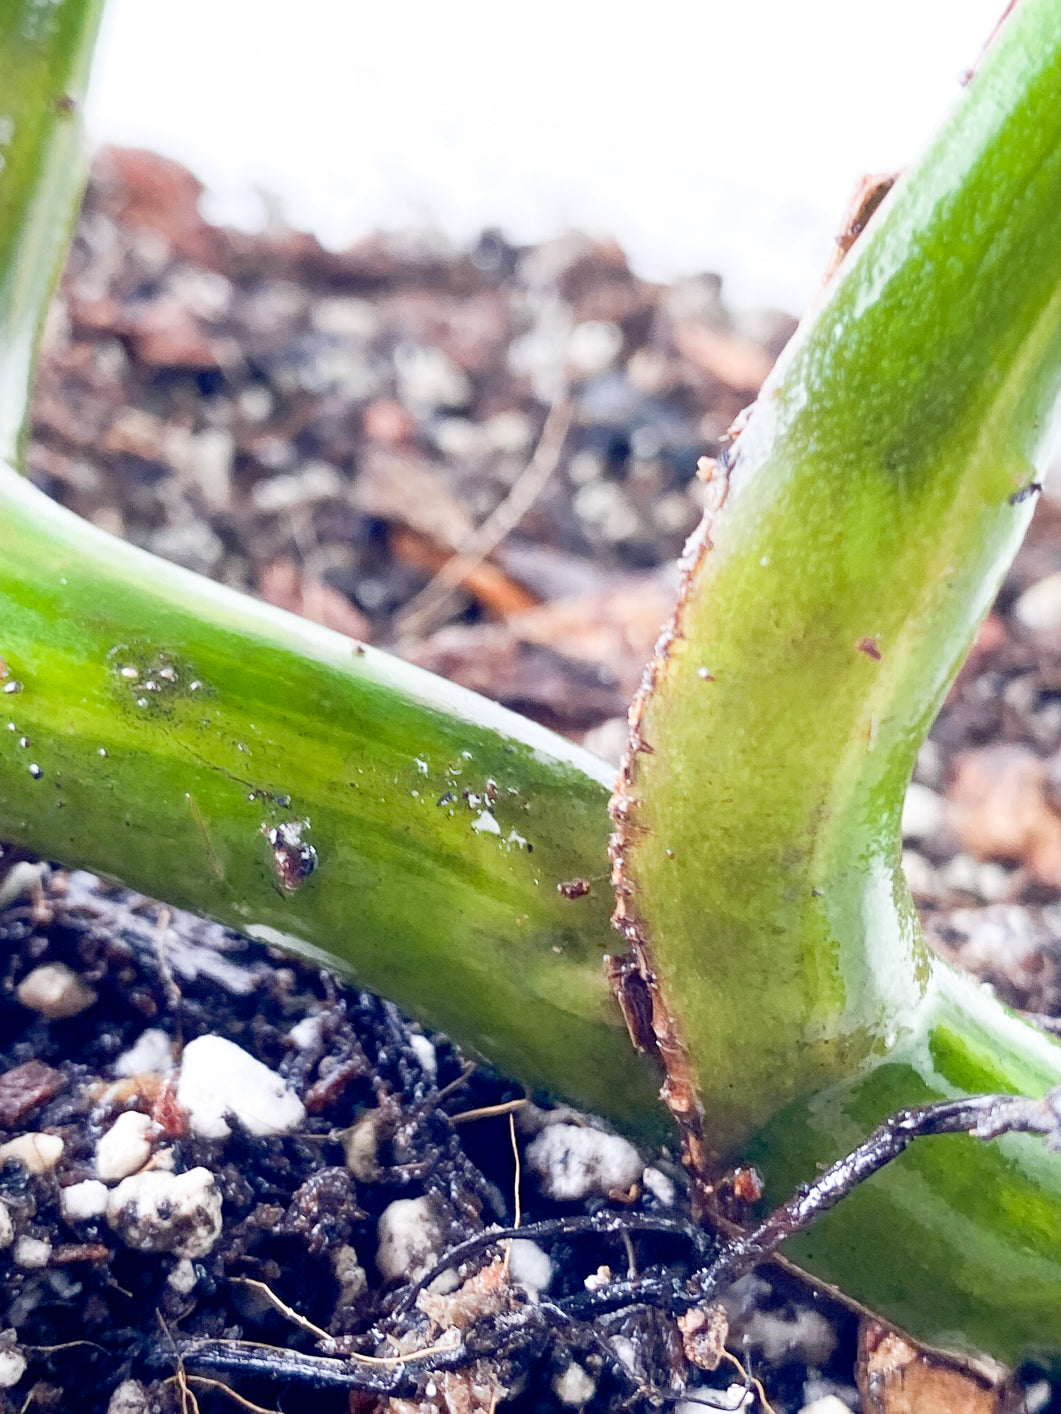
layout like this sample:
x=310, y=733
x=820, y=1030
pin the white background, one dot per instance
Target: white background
x=723, y=134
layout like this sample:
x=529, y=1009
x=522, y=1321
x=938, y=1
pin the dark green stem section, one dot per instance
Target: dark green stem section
x=876, y=497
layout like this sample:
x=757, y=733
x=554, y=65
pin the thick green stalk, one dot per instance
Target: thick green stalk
x=45, y=51
x=874, y=500
x=163, y=725
x=157, y=727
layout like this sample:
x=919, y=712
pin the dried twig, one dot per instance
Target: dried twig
x=426, y=609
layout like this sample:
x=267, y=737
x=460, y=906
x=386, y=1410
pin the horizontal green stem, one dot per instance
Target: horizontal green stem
x=156, y=727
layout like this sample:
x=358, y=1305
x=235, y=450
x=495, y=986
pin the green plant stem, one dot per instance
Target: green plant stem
x=163, y=725
x=876, y=497
x=45, y=51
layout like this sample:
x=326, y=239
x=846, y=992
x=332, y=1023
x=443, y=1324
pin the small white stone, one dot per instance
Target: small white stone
x=183, y=1278
x=22, y=880
x=529, y=1265
x=425, y=1054
x=828, y=1404
x=219, y=1078
x=428, y=379
x=37, y=1153
x=922, y=812
x=1039, y=607
x=129, y=1398
x=660, y=1186
x=410, y=1238
x=150, y=1054
x=167, y=1212
x=32, y=1253
x=306, y=1033
x=593, y=346
x=574, y=1161
x=574, y=1386
x=807, y=1336
x=7, y=1227
x=83, y=1201
x=125, y=1147
x=12, y=1366
x=54, y=991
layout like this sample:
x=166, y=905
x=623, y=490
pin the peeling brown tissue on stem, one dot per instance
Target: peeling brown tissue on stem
x=634, y=981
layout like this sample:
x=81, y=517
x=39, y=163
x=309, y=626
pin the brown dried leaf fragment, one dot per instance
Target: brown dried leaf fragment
x=897, y=1376
x=25, y=1087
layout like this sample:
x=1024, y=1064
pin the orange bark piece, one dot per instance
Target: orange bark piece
x=997, y=807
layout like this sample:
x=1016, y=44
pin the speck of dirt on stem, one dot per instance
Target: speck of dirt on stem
x=293, y=860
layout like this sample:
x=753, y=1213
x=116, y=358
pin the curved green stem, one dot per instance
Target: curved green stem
x=875, y=498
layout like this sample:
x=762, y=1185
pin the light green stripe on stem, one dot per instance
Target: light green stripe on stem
x=876, y=498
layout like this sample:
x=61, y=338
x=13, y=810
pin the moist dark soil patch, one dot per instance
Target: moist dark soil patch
x=93, y=1310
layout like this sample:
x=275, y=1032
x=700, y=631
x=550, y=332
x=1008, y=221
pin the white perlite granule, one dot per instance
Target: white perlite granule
x=167, y=1212
x=574, y=1161
x=219, y=1078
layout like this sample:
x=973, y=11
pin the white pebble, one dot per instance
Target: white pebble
x=183, y=1277
x=410, y=1238
x=219, y=1078
x=7, y=1227
x=574, y=1161
x=125, y=1147
x=593, y=346
x=167, y=1212
x=660, y=1186
x=32, y=1253
x=807, y=1336
x=529, y=1265
x=12, y=1366
x=83, y=1201
x=306, y=1033
x=54, y=991
x=129, y=1398
x=428, y=379
x=1039, y=607
x=150, y=1054
x=922, y=812
x=828, y=1404
x=574, y=1386
x=22, y=880
x=37, y=1153
x=425, y=1054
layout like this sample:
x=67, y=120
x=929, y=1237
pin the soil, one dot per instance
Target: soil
x=326, y=430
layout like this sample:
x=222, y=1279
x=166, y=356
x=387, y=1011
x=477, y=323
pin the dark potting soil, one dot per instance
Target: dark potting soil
x=120, y=1300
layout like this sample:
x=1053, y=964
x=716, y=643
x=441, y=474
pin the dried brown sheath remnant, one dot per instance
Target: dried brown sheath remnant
x=634, y=981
